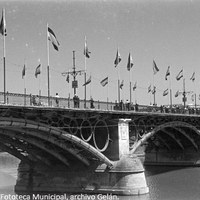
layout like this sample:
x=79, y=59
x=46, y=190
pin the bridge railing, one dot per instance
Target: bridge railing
x=35, y=100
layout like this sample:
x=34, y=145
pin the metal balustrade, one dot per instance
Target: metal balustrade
x=18, y=99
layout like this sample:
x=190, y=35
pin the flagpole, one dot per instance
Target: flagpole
x=154, y=91
x=130, y=85
x=107, y=96
x=150, y=95
x=184, y=93
x=24, y=77
x=85, y=79
x=4, y=56
x=170, y=92
x=118, y=85
x=48, y=81
x=195, y=99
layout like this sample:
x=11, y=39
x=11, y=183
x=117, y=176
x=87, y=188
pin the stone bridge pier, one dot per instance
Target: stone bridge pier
x=114, y=172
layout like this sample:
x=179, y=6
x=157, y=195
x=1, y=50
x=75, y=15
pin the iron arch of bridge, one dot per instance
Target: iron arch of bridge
x=20, y=149
x=177, y=125
x=53, y=135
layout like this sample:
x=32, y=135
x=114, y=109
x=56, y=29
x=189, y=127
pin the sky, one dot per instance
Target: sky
x=165, y=31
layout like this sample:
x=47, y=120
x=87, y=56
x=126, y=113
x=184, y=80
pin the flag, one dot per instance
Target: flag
x=23, y=71
x=37, y=71
x=130, y=62
x=135, y=86
x=86, y=51
x=122, y=84
x=149, y=88
x=177, y=93
x=155, y=68
x=67, y=79
x=193, y=77
x=165, y=92
x=167, y=73
x=117, y=59
x=87, y=82
x=104, y=81
x=52, y=37
x=192, y=97
x=154, y=90
x=180, y=75
x=3, y=24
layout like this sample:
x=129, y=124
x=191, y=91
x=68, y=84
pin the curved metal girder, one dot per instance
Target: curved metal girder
x=16, y=143
x=174, y=138
x=13, y=151
x=187, y=136
x=38, y=144
x=60, y=143
x=27, y=124
x=163, y=141
x=161, y=127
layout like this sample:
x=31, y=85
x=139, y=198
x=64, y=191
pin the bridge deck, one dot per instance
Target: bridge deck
x=119, y=113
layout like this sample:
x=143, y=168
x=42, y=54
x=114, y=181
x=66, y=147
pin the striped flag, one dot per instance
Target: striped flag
x=104, y=81
x=67, y=79
x=155, y=68
x=3, y=24
x=130, y=62
x=86, y=51
x=135, y=86
x=167, y=73
x=121, y=84
x=23, y=71
x=52, y=37
x=180, y=75
x=88, y=81
x=165, y=92
x=37, y=71
x=154, y=90
x=177, y=93
x=149, y=88
x=117, y=59
x=193, y=77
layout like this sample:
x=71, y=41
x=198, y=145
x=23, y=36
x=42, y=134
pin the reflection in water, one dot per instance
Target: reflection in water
x=165, y=183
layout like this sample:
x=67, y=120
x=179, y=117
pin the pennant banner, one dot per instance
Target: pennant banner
x=23, y=71
x=122, y=84
x=149, y=89
x=67, y=79
x=86, y=51
x=177, y=93
x=88, y=81
x=167, y=73
x=104, y=81
x=117, y=59
x=3, y=24
x=154, y=90
x=130, y=62
x=180, y=75
x=37, y=71
x=135, y=86
x=155, y=68
x=52, y=38
x=165, y=92
x=193, y=77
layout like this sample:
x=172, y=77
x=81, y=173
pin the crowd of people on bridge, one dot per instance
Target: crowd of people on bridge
x=121, y=106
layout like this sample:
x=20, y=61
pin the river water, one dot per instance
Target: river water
x=165, y=183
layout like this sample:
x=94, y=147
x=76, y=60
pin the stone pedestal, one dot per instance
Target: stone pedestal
x=126, y=177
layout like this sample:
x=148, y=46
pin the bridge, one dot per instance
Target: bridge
x=64, y=149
